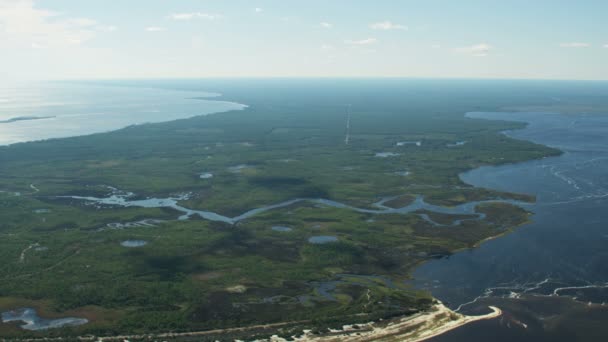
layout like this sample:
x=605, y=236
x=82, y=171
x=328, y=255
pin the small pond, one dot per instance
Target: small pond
x=386, y=154
x=281, y=229
x=34, y=322
x=403, y=143
x=321, y=239
x=133, y=243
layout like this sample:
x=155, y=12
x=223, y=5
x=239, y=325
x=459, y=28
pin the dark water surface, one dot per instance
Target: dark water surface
x=563, y=252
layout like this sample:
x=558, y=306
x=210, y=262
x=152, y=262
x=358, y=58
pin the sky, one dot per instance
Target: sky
x=101, y=39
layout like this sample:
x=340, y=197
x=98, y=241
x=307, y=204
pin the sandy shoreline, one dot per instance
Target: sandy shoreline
x=438, y=320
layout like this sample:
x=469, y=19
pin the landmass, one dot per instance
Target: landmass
x=123, y=232
x=25, y=118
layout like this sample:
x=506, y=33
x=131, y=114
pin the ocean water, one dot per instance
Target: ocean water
x=38, y=111
x=563, y=251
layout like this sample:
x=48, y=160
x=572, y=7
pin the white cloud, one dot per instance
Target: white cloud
x=194, y=15
x=90, y=24
x=574, y=45
x=327, y=47
x=606, y=46
x=366, y=41
x=326, y=25
x=83, y=22
x=155, y=29
x=110, y=28
x=387, y=25
x=25, y=25
x=436, y=46
x=477, y=50
x=258, y=10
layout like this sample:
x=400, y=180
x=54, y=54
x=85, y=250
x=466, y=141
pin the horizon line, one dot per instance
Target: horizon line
x=195, y=78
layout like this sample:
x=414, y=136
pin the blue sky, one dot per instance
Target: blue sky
x=58, y=39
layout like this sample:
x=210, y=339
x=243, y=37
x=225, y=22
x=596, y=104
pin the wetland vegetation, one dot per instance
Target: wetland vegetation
x=197, y=274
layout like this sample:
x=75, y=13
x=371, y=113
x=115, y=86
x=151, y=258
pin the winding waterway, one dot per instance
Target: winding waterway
x=125, y=199
x=563, y=251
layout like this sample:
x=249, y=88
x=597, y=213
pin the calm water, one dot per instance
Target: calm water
x=67, y=109
x=282, y=229
x=563, y=251
x=133, y=243
x=322, y=239
x=31, y=321
x=125, y=199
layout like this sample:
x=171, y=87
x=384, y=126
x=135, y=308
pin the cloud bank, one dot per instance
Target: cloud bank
x=387, y=25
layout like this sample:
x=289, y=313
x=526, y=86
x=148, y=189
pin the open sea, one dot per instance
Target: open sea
x=38, y=111
x=561, y=257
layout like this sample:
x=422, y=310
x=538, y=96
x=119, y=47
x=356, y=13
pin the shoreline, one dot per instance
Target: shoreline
x=193, y=95
x=419, y=327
